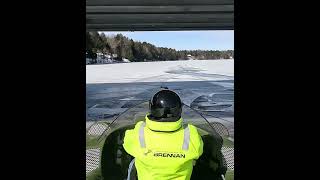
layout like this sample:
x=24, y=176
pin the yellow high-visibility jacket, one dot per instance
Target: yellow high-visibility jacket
x=163, y=150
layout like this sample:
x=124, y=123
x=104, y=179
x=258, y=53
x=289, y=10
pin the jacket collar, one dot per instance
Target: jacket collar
x=163, y=126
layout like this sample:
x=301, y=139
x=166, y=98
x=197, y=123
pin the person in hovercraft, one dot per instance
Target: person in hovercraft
x=162, y=147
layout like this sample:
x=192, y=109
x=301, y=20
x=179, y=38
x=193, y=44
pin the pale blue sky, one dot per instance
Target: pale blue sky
x=184, y=40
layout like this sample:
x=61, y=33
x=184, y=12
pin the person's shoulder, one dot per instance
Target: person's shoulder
x=195, y=140
x=134, y=130
x=192, y=128
x=130, y=139
x=194, y=134
x=136, y=127
x=138, y=124
x=130, y=134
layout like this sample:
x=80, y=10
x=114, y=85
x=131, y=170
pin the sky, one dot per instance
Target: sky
x=184, y=40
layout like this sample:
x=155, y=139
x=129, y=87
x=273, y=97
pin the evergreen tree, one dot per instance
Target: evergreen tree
x=137, y=51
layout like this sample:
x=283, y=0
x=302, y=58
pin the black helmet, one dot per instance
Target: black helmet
x=165, y=106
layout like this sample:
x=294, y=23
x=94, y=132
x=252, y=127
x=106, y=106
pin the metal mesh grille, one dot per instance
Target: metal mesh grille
x=220, y=129
x=97, y=129
x=228, y=154
x=92, y=159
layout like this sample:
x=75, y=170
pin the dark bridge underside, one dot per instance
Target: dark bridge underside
x=157, y=15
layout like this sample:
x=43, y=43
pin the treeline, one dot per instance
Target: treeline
x=143, y=51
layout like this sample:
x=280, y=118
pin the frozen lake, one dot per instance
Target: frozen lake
x=205, y=85
x=161, y=71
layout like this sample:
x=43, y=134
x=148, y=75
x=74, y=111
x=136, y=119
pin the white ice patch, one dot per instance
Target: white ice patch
x=169, y=71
